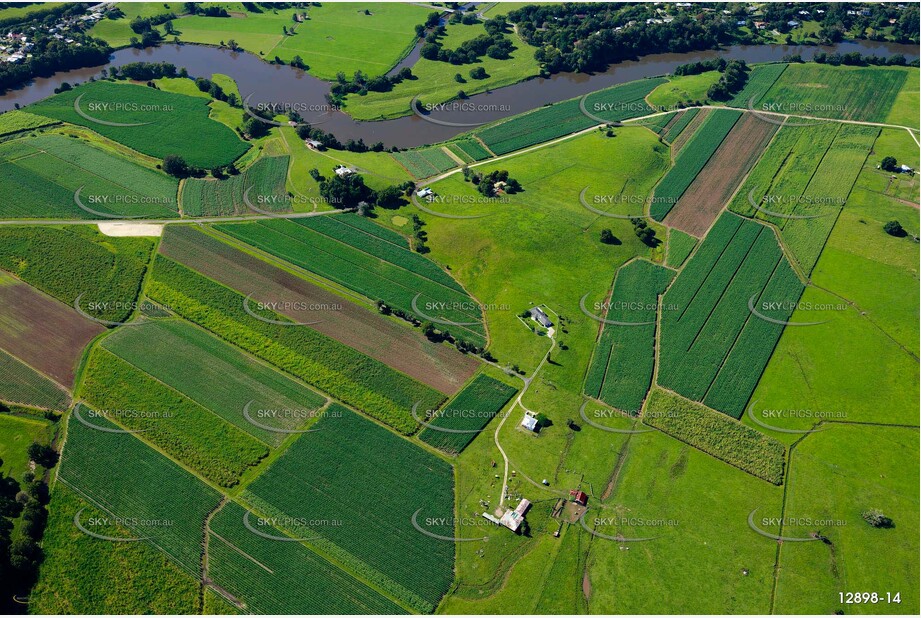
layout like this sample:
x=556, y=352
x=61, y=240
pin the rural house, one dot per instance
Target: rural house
x=579, y=497
x=540, y=317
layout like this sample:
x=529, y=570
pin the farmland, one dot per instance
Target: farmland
x=16, y=434
x=713, y=347
x=691, y=160
x=16, y=120
x=612, y=104
x=438, y=366
x=324, y=363
x=47, y=335
x=705, y=197
x=760, y=80
x=470, y=147
x=264, y=180
x=624, y=357
x=216, y=376
x=164, y=123
x=848, y=93
x=185, y=430
x=78, y=262
x=426, y=162
x=680, y=124
x=465, y=415
x=115, y=472
x=716, y=434
x=680, y=246
x=46, y=172
x=21, y=384
x=377, y=269
x=269, y=577
x=352, y=471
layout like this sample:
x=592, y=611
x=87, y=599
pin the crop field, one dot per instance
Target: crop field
x=760, y=80
x=67, y=262
x=716, y=434
x=690, y=130
x=190, y=433
x=378, y=270
x=439, y=366
x=116, y=472
x=679, y=248
x=173, y=123
x=612, y=104
x=42, y=332
x=217, y=376
x=21, y=384
x=322, y=362
x=82, y=575
x=265, y=181
x=705, y=197
x=659, y=124
x=713, y=347
x=371, y=482
x=425, y=162
x=45, y=173
x=827, y=480
x=269, y=577
x=16, y=120
x=683, y=120
x=624, y=358
x=846, y=93
x=469, y=412
x=691, y=160
x=472, y=148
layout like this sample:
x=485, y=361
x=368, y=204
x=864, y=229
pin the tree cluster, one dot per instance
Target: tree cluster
x=493, y=44
x=50, y=55
x=486, y=183
x=643, y=231
x=361, y=84
x=733, y=79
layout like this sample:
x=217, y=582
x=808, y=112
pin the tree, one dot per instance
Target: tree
x=607, y=237
x=894, y=228
x=478, y=73
x=43, y=454
x=876, y=518
x=254, y=128
x=175, y=166
x=168, y=26
x=889, y=164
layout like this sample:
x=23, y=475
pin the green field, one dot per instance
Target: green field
x=217, y=376
x=692, y=158
x=611, y=104
x=375, y=268
x=184, y=429
x=760, y=80
x=830, y=480
x=271, y=577
x=680, y=246
x=371, y=482
x=681, y=89
x=46, y=171
x=22, y=384
x=716, y=434
x=16, y=120
x=425, y=162
x=263, y=184
x=434, y=81
x=624, y=358
x=466, y=415
x=472, y=148
x=82, y=574
x=322, y=362
x=116, y=472
x=713, y=347
x=78, y=262
x=847, y=93
x=165, y=123
x=680, y=124
x=16, y=435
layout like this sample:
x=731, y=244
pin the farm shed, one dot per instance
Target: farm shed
x=579, y=497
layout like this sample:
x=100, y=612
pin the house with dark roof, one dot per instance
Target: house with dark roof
x=540, y=317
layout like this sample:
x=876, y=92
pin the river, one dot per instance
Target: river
x=266, y=83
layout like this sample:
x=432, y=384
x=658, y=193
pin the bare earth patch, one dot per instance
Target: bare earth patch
x=120, y=228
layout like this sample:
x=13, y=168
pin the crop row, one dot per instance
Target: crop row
x=154, y=498
x=680, y=124
x=16, y=120
x=716, y=434
x=367, y=226
x=760, y=80
x=468, y=413
x=426, y=162
x=624, y=358
x=68, y=262
x=279, y=578
x=691, y=159
x=187, y=431
x=217, y=376
x=387, y=481
x=163, y=123
x=472, y=148
x=318, y=360
x=364, y=273
x=265, y=181
x=680, y=246
x=21, y=384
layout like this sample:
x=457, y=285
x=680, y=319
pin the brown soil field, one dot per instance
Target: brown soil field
x=42, y=331
x=401, y=347
x=689, y=130
x=717, y=181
